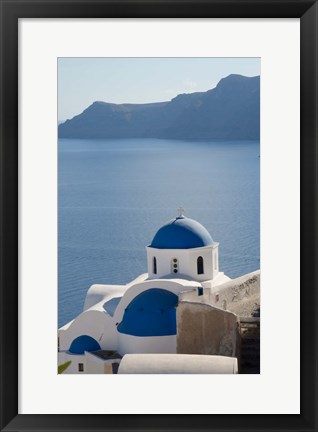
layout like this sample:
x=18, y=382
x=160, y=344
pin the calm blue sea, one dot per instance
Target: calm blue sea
x=115, y=194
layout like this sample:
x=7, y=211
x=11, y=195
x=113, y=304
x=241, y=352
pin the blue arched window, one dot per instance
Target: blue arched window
x=154, y=270
x=200, y=266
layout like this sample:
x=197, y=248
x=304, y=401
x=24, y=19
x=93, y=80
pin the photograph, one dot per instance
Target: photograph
x=158, y=215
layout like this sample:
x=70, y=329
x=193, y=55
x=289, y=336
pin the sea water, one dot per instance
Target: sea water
x=113, y=195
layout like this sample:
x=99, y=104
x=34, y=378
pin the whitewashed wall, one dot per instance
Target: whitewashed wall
x=187, y=262
x=95, y=323
x=128, y=344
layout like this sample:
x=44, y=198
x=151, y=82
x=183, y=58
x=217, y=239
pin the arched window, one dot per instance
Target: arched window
x=200, y=265
x=154, y=269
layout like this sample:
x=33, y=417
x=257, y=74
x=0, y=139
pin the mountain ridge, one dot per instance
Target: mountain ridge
x=230, y=111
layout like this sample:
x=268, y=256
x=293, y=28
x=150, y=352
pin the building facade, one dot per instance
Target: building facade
x=140, y=317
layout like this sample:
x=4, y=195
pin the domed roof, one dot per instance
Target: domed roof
x=181, y=233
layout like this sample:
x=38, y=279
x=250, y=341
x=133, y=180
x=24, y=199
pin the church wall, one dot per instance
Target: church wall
x=97, y=293
x=215, y=260
x=90, y=364
x=164, y=258
x=187, y=262
x=94, y=323
x=206, y=254
x=128, y=344
x=93, y=366
x=75, y=360
x=96, y=365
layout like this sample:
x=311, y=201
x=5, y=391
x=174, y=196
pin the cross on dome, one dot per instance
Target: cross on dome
x=181, y=211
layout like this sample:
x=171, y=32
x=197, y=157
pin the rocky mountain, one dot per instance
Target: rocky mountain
x=230, y=111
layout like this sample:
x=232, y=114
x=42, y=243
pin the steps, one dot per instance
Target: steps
x=250, y=345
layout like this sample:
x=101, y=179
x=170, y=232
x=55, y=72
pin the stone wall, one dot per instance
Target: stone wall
x=205, y=329
x=232, y=295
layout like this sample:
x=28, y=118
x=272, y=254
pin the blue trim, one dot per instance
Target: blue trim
x=151, y=313
x=181, y=233
x=84, y=343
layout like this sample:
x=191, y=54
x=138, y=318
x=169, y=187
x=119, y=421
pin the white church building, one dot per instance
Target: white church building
x=140, y=317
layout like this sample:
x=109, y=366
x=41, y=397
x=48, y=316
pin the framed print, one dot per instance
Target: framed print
x=145, y=317
x=113, y=115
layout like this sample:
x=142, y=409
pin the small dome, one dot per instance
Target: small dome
x=181, y=233
x=84, y=343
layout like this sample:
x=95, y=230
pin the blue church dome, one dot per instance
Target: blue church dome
x=84, y=343
x=181, y=233
x=151, y=313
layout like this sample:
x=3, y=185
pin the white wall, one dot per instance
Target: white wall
x=187, y=262
x=208, y=254
x=75, y=359
x=97, y=293
x=97, y=365
x=95, y=323
x=128, y=344
x=92, y=364
x=215, y=260
x=164, y=258
x=177, y=364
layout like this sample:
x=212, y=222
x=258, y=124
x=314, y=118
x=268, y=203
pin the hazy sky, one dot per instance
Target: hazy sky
x=81, y=81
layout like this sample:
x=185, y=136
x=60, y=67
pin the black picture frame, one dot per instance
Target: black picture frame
x=11, y=12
